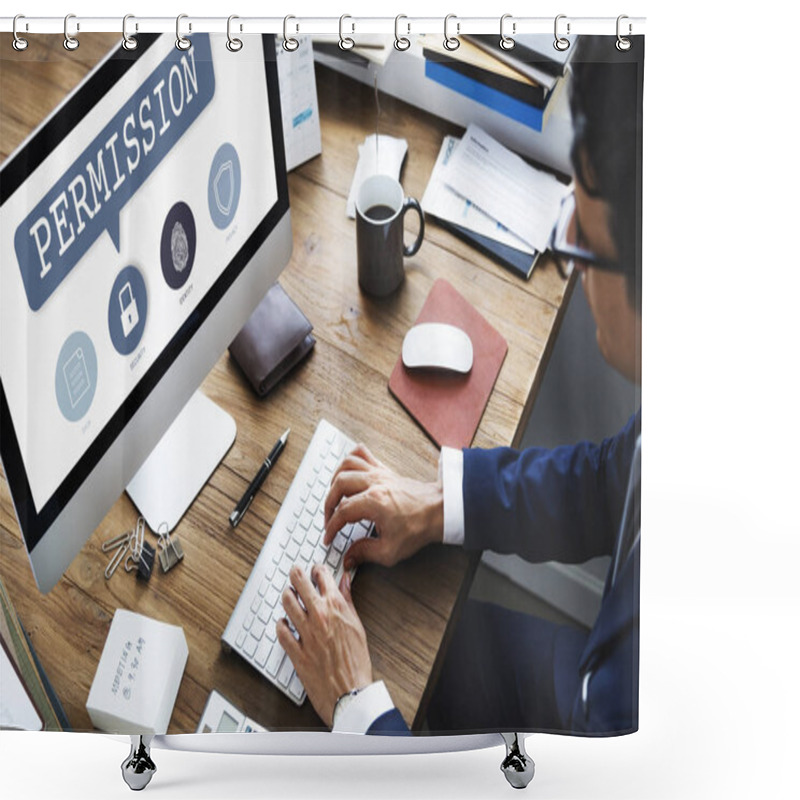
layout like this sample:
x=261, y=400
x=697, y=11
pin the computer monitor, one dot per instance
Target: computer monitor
x=140, y=224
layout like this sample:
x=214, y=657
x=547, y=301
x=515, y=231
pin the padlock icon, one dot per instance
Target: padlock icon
x=129, y=309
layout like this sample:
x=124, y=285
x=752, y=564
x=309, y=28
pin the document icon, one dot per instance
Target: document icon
x=77, y=377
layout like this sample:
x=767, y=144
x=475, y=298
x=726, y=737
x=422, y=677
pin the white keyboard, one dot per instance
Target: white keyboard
x=295, y=538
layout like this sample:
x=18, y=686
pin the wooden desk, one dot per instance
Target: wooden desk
x=406, y=610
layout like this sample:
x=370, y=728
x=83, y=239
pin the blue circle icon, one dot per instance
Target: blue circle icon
x=76, y=376
x=127, y=310
x=224, y=186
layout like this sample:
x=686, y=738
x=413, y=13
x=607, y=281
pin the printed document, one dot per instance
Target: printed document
x=441, y=201
x=523, y=199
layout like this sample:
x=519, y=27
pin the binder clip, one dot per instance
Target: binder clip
x=171, y=552
x=142, y=554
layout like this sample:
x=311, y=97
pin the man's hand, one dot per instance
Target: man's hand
x=331, y=657
x=408, y=514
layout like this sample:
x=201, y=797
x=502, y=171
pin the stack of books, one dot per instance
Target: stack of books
x=521, y=83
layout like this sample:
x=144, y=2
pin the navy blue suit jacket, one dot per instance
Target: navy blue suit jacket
x=566, y=505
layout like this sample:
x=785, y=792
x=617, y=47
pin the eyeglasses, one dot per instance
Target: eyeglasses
x=565, y=242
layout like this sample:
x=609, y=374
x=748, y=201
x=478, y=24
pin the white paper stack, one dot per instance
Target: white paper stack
x=480, y=184
x=137, y=679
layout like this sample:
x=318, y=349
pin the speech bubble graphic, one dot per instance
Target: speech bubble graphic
x=87, y=199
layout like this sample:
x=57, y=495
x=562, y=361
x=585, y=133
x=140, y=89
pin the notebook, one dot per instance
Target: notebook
x=447, y=406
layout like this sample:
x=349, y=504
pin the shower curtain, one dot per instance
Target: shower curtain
x=134, y=180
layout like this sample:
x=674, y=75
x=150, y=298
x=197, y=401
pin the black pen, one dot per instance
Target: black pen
x=247, y=498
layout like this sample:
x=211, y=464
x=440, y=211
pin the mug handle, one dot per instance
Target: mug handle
x=408, y=203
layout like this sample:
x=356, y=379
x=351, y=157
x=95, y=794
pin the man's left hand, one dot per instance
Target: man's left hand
x=331, y=656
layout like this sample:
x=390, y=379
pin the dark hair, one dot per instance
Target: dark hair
x=606, y=106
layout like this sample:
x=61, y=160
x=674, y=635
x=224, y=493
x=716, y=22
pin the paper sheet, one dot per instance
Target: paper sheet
x=299, y=107
x=442, y=202
x=502, y=185
x=384, y=157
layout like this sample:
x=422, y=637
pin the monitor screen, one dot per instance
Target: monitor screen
x=125, y=219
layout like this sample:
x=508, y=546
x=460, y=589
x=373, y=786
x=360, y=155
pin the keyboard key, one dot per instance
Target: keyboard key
x=240, y=638
x=306, y=520
x=256, y=604
x=274, y=660
x=270, y=632
x=263, y=652
x=319, y=491
x=296, y=688
x=333, y=559
x=270, y=573
x=292, y=550
x=286, y=672
x=262, y=590
x=250, y=646
x=313, y=537
x=306, y=551
x=272, y=597
x=249, y=619
x=339, y=542
x=285, y=565
x=258, y=629
x=299, y=536
x=264, y=613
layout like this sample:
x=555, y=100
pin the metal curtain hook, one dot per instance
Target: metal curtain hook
x=345, y=42
x=128, y=42
x=289, y=44
x=233, y=44
x=623, y=44
x=181, y=42
x=451, y=42
x=19, y=43
x=70, y=42
x=401, y=42
x=560, y=43
x=506, y=42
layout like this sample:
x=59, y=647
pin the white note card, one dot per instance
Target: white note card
x=299, y=107
x=523, y=199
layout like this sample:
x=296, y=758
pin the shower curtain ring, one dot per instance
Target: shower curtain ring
x=19, y=43
x=623, y=44
x=128, y=42
x=345, y=42
x=181, y=42
x=451, y=42
x=290, y=44
x=506, y=42
x=561, y=43
x=401, y=42
x=70, y=42
x=233, y=44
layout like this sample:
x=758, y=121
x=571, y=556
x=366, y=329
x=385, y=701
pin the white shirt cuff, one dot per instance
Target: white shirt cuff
x=357, y=716
x=451, y=471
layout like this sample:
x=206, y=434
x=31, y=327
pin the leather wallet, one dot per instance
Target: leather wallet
x=274, y=340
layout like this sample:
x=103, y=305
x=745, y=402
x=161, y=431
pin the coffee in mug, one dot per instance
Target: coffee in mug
x=380, y=211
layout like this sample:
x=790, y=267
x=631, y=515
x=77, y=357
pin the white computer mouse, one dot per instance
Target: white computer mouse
x=436, y=345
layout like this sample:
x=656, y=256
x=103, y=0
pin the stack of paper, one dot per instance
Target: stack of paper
x=482, y=186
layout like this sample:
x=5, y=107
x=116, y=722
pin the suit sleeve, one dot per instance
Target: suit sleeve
x=389, y=724
x=563, y=504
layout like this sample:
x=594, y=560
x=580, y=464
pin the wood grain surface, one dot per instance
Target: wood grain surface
x=407, y=610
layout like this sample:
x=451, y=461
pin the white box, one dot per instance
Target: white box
x=138, y=677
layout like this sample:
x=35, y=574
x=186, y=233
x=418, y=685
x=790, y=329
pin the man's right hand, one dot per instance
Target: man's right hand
x=408, y=514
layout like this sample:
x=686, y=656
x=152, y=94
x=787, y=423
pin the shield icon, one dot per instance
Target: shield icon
x=224, y=191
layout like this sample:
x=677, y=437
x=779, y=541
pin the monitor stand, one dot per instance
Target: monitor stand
x=182, y=462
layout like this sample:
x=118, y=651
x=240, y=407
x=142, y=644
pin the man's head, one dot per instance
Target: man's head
x=606, y=113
